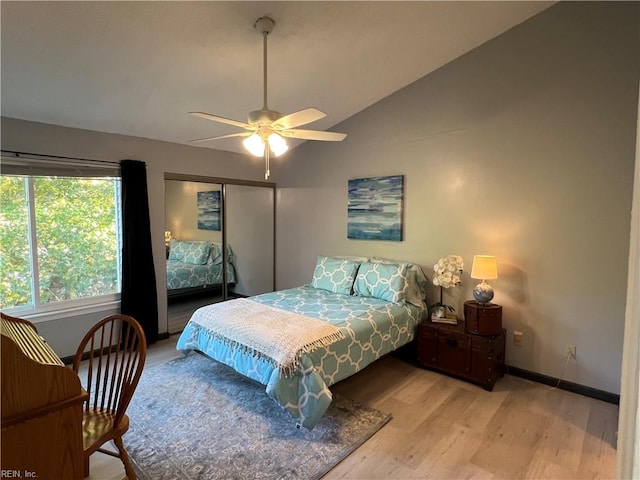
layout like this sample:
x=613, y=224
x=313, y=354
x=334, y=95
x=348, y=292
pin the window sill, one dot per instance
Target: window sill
x=47, y=314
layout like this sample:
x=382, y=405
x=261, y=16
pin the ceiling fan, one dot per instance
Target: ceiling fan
x=267, y=129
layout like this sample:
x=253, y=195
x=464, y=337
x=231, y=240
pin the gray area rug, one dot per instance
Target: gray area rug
x=194, y=418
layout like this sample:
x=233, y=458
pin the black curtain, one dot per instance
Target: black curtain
x=139, y=297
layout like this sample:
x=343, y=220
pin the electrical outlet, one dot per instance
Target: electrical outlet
x=517, y=338
x=570, y=351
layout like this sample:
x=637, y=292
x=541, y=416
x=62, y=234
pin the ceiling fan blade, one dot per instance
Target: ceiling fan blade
x=298, y=118
x=217, y=118
x=241, y=134
x=315, y=135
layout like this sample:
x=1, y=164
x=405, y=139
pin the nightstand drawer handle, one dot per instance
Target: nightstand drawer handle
x=452, y=342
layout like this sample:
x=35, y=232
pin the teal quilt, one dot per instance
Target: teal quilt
x=185, y=275
x=371, y=328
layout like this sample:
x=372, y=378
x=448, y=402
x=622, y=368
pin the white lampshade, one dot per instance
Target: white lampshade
x=254, y=144
x=484, y=267
x=277, y=144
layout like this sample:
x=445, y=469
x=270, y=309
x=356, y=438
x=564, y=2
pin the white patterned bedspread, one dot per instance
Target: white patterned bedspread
x=372, y=328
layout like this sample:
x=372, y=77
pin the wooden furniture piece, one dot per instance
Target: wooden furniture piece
x=483, y=319
x=117, y=351
x=454, y=350
x=41, y=407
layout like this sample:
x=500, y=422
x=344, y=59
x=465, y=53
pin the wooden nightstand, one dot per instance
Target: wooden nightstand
x=483, y=319
x=453, y=350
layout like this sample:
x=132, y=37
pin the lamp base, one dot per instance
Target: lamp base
x=483, y=293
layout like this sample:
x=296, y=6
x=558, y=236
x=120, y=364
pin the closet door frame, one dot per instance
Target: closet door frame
x=224, y=182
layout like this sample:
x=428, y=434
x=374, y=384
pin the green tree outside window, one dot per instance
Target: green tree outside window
x=76, y=239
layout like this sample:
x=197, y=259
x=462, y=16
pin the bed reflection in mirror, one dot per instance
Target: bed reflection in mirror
x=200, y=216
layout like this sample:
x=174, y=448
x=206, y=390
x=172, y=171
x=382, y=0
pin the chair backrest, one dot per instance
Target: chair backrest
x=117, y=350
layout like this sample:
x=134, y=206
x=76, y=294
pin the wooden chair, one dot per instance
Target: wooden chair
x=117, y=350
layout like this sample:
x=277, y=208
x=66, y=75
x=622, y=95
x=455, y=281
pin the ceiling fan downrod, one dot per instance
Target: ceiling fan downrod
x=265, y=25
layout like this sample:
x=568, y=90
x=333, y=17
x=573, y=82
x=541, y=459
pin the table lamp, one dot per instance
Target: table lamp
x=484, y=268
x=167, y=237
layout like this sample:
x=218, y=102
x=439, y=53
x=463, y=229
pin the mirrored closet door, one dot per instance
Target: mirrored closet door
x=250, y=233
x=206, y=221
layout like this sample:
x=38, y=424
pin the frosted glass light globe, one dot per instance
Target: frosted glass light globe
x=254, y=144
x=277, y=144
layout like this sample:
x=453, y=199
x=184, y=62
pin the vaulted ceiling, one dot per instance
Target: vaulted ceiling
x=137, y=68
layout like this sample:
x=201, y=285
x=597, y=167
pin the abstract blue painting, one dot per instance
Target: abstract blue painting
x=209, y=210
x=375, y=208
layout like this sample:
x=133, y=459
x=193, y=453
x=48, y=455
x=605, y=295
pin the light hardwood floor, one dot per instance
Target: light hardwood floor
x=444, y=428
x=181, y=309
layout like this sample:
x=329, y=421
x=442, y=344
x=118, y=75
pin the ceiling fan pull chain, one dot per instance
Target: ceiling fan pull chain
x=266, y=161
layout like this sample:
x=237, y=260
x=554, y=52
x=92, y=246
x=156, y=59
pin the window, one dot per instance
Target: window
x=61, y=241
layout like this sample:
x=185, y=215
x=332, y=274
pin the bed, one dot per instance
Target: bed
x=352, y=313
x=196, y=265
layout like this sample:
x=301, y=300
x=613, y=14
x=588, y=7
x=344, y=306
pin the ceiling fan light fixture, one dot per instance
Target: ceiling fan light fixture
x=277, y=144
x=267, y=129
x=254, y=145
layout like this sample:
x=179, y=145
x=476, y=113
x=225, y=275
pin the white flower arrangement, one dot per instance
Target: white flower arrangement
x=448, y=273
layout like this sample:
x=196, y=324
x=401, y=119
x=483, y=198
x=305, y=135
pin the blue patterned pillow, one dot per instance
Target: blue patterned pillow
x=416, y=281
x=334, y=274
x=176, y=251
x=215, y=258
x=192, y=252
x=386, y=281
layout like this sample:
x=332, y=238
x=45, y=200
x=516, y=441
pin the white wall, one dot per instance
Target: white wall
x=522, y=148
x=160, y=157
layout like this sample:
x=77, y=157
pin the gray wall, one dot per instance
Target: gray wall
x=250, y=233
x=522, y=148
x=64, y=334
